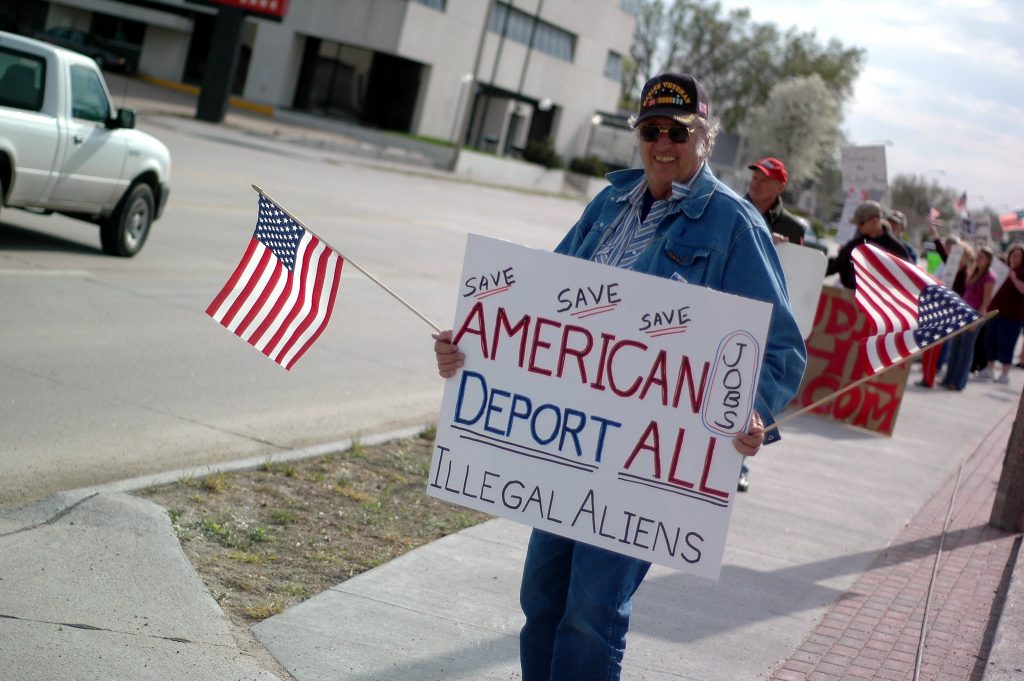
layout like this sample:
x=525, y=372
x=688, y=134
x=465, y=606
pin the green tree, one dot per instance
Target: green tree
x=738, y=61
x=915, y=195
x=643, y=53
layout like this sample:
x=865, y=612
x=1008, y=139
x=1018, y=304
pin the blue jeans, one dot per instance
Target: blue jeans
x=577, y=602
x=961, y=354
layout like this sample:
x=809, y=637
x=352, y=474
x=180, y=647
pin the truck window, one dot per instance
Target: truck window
x=88, y=98
x=21, y=80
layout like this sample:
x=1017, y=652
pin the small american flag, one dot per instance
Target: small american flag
x=906, y=308
x=933, y=213
x=1013, y=221
x=280, y=297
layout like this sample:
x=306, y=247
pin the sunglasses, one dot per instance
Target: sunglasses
x=679, y=134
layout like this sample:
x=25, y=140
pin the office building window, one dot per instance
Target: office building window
x=434, y=4
x=549, y=39
x=613, y=66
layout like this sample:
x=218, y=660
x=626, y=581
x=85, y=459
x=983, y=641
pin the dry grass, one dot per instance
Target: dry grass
x=266, y=539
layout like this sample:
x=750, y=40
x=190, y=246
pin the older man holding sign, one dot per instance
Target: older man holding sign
x=590, y=383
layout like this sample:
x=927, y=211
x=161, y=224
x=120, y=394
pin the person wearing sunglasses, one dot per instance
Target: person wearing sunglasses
x=671, y=219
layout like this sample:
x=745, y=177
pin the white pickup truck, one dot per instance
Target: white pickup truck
x=65, y=148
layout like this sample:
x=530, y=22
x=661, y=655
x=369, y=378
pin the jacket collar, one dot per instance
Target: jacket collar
x=626, y=184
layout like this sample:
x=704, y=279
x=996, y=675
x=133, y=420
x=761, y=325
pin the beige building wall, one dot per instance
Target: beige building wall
x=444, y=43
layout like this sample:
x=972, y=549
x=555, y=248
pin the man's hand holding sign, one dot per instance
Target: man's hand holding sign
x=582, y=408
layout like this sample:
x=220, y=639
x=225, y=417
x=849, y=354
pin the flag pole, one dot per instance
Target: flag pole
x=372, y=278
x=864, y=379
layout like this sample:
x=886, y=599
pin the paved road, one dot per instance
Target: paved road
x=110, y=368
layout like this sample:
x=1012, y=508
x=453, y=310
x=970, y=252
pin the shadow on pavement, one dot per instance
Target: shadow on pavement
x=13, y=238
x=682, y=609
x=760, y=595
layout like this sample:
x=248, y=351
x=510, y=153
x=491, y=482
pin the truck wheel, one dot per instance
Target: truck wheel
x=124, y=232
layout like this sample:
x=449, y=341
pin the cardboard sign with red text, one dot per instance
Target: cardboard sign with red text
x=598, y=403
x=835, y=359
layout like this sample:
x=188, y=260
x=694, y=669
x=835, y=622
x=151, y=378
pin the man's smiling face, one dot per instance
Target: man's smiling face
x=666, y=161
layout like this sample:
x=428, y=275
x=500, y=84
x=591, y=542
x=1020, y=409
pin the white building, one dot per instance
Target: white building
x=521, y=70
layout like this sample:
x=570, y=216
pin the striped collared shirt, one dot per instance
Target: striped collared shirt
x=626, y=236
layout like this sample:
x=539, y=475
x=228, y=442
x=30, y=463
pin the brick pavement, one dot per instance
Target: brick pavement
x=872, y=631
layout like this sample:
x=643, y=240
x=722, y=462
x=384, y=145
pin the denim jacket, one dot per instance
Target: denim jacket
x=711, y=238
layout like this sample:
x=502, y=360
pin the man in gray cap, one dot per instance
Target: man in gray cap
x=872, y=228
x=898, y=225
x=673, y=219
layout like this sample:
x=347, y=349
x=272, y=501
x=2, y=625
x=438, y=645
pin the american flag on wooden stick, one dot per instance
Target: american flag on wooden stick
x=907, y=309
x=280, y=297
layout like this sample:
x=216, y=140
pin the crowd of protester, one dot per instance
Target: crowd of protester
x=985, y=279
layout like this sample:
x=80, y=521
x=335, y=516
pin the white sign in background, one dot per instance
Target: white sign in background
x=1001, y=272
x=864, y=176
x=951, y=266
x=804, y=269
x=598, y=403
x=864, y=170
x=846, y=229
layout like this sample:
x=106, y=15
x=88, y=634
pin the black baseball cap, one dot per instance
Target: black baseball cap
x=674, y=95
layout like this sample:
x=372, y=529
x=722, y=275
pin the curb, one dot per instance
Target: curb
x=233, y=101
x=167, y=477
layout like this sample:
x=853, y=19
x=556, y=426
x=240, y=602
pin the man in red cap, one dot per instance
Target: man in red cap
x=767, y=182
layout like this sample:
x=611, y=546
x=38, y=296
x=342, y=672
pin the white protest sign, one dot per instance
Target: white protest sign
x=804, y=268
x=1001, y=272
x=863, y=170
x=983, y=221
x=846, y=229
x=598, y=403
x=864, y=176
x=951, y=266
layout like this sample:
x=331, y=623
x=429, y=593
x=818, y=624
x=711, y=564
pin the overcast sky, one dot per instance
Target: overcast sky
x=943, y=81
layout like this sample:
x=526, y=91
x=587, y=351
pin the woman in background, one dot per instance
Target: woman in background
x=1004, y=328
x=977, y=294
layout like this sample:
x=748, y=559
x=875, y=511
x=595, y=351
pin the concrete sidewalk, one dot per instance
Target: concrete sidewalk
x=829, y=556
x=97, y=587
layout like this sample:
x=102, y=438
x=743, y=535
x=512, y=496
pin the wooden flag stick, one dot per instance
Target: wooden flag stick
x=372, y=278
x=864, y=379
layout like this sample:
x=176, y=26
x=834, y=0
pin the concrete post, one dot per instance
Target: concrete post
x=220, y=65
x=1008, y=509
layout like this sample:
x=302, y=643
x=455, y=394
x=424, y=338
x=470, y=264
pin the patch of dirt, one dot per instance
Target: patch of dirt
x=266, y=539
